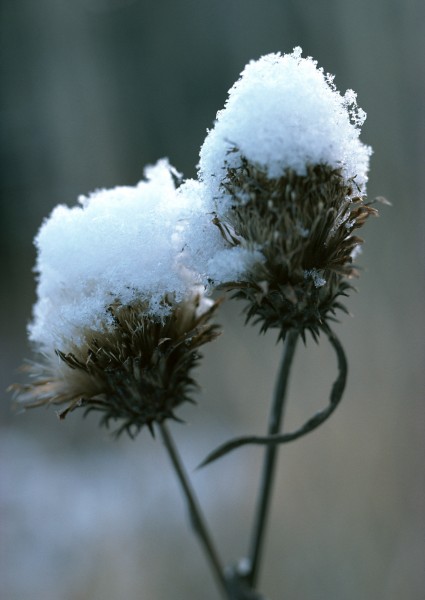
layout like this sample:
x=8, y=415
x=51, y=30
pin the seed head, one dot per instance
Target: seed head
x=304, y=225
x=120, y=311
x=136, y=372
x=288, y=174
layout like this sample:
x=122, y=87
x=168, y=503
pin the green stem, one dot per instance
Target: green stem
x=195, y=513
x=269, y=465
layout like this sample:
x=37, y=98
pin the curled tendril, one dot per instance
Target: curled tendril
x=313, y=423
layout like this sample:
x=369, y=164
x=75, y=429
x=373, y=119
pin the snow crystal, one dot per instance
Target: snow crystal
x=315, y=276
x=356, y=251
x=205, y=251
x=285, y=112
x=232, y=264
x=121, y=244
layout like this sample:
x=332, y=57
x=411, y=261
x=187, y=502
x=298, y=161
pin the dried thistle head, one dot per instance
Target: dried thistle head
x=288, y=173
x=120, y=311
x=137, y=371
x=305, y=227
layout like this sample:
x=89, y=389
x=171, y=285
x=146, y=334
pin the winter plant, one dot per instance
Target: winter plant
x=124, y=279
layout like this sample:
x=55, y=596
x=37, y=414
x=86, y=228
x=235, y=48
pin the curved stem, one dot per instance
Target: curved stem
x=197, y=520
x=310, y=425
x=269, y=465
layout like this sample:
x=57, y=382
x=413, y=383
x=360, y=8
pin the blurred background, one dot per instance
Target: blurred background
x=92, y=91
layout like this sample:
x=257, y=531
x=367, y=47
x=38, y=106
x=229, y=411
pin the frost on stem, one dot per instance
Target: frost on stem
x=120, y=313
x=288, y=175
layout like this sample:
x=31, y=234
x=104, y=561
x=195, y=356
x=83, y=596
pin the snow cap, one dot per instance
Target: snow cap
x=118, y=246
x=286, y=113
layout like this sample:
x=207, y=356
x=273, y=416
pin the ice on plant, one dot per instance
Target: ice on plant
x=315, y=276
x=205, y=250
x=157, y=238
x=119, y=245
x=286, y=113
x=230, y=264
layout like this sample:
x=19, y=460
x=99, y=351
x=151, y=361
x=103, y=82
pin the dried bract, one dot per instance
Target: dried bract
x=137, y=372
x=304, y=225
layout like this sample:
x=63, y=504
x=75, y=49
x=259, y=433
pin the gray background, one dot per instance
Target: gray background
x=92, y=91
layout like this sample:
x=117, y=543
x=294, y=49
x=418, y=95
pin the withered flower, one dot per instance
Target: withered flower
x=120, y=317
x=288, y=173
x=137, y=371
x=304, y=225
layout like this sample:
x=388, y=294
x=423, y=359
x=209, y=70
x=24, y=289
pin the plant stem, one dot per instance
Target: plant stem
x=269, y=465
x=195, y=513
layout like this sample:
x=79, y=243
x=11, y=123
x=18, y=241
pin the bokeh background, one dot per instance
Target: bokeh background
x=93, y=90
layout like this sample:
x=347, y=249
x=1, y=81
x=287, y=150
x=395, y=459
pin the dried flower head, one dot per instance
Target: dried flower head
x=288, y=174
x=120, y=316
x=305, y=228
x=137, y=371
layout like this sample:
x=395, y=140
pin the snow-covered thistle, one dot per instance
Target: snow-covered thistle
x=288, y=174
x=119, y=316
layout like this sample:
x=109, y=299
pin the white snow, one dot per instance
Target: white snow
x=121, y=244
x=155, y=239
x=231, y=264
x=285, y=112
x=206, y=252
x=315, y=276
